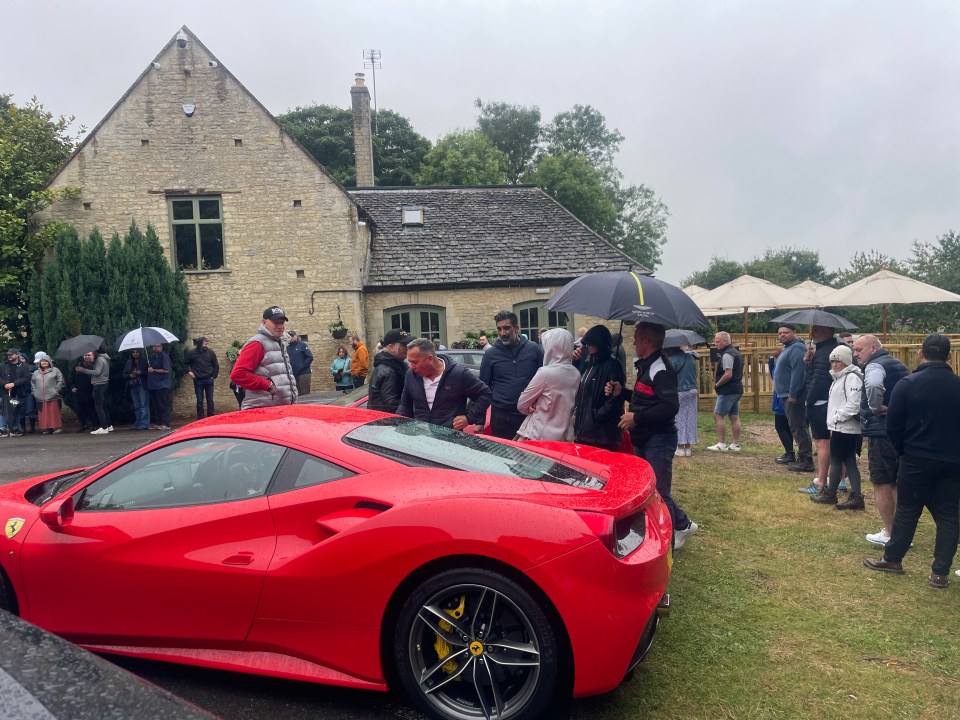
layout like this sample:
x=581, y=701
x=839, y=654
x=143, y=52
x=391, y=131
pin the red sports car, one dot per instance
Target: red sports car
x=353, y=548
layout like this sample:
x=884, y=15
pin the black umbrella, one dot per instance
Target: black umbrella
x=76, y=346
x=624, y=295
x=813, y=316
x=677, y=338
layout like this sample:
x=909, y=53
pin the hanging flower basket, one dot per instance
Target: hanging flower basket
x=338, y=330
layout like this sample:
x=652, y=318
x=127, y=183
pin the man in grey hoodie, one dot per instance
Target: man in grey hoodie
x=100, y=380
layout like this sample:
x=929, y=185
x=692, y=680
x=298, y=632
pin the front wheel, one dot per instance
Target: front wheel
x=474, y=644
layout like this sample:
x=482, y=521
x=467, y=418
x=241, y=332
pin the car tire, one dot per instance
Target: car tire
x=8, y=601
x=474, y=644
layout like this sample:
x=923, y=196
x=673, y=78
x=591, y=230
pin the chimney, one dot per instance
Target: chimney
x=362, y=138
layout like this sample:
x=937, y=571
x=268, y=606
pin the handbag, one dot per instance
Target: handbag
x=338, y=376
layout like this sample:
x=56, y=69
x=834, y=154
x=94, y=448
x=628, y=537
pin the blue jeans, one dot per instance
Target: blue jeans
x=658, y=450
x=141, y=406
x=203, y=387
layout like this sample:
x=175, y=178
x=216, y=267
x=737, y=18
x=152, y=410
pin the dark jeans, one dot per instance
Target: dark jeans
x=100, y=403
x=303, y=384
x=783, y=432
x=160, y=406
x=797, y=419
x=843, y=454
x=505, y=423
x=933, y=484
x=85, y=409
x=358, y=380
x=203, y=387
x=658, y=450
x=141, y=406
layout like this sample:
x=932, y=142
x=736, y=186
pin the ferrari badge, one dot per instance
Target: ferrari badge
x=12, y=526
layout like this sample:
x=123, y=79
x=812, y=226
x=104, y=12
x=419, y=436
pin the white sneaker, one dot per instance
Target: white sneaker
x=679, y=453
x=879, y=538
x=688, y=452
x=680, y=536
x=734, y=447
x=719, y=447
x=110, y=429
x=99, y=431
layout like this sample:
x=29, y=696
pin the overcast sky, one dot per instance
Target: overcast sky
x=824, y=124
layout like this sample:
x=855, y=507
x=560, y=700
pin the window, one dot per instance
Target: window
x=532, y=317
x=196, y=226
x=302, y=470
x=412, y=216
x=426, y=321
x=194, y=472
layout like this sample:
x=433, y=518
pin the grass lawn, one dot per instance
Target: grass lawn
x=774, y=616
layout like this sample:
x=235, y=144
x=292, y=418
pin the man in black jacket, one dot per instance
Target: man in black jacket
x=15, y=381
x=818, y=392
x=923, y=423
x=598, y=414
x=389, y=370
x=203, y=368
x=436, y=389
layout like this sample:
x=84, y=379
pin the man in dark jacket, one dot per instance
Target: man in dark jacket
x=507, y=369
x=818, y=392
x=436, y=389
x=923, y=424
x=81, y=390
x=300, y=361
x=598, y=414
x=654, y=405
x=203, y=368
x=881, y=373
x=790, y=385
x=15, y=381
x=386, y=380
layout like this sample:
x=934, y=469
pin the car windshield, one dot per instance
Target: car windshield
x=421, y=444
x=48, y=490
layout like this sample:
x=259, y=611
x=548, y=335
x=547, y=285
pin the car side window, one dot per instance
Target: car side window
x=194, y=472
x=301, y=470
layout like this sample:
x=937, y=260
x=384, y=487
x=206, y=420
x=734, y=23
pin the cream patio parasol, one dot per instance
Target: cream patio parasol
x=888, y=288
x=813, y=291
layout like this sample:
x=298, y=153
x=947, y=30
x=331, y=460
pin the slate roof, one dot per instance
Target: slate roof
x=479, y=236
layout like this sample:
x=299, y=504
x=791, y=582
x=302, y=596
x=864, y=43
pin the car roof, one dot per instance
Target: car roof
x=285, y=423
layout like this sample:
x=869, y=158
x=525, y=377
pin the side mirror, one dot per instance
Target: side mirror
x=58, y=513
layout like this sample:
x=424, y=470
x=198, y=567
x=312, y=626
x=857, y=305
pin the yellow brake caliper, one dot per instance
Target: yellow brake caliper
x=441, y=646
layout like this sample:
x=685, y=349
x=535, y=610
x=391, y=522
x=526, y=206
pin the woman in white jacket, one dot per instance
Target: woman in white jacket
x=551, y=395
x=843, y=421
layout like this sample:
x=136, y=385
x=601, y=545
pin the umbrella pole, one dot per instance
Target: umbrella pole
x=746, y=330
x=884, y=313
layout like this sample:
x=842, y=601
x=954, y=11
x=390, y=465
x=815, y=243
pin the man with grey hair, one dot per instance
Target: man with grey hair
x=881, y=373
x=728, y=384
x=436, y=389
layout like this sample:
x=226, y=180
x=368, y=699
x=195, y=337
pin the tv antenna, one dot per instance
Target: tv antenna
x=371, y=61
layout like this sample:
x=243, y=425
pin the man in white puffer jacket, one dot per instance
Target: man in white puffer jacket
x=843, y=421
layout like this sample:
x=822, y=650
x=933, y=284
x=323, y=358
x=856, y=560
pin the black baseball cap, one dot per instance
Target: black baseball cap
x=788, y=326
x=396, y=336
x=274, y=313
x=936, y=347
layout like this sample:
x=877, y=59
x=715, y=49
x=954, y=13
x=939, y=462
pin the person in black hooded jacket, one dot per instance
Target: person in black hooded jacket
x=597, y=414
x=389, y=371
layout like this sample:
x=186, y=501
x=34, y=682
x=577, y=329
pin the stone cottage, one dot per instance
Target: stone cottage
x=253, y=220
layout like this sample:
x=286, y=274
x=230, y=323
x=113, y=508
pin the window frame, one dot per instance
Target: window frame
x=413, y=324
x=531, y=332
x=197, y=222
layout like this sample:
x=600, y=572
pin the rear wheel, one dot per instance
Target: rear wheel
x=474, y=644
x=8, y=600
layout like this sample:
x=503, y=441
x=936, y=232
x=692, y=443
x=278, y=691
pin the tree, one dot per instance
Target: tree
x=719, y=271
x=326, y=132
x=583, y=130
x=515, y=130
x=641, y=225
x=788, y=266
x=33, y=144
x=574, y=183
x=465, y=157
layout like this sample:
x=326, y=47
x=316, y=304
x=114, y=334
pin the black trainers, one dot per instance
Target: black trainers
x=785, y=459
x=824, y=497
x=853, y=502
x=801, y=467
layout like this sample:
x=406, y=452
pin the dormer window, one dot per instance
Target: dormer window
x=412, y=216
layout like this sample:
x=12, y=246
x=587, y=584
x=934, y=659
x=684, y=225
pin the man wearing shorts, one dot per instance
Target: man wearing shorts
x=818, y=391
x=881, y=372
x=728, y=384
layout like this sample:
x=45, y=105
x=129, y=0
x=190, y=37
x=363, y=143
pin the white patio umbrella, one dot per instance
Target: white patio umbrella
x=748, y=293
x=812, y=290
x=888, y=288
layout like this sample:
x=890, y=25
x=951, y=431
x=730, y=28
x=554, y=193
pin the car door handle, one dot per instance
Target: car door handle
x=240, y=558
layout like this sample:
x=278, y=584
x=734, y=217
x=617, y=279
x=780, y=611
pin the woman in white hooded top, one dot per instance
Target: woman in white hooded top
x=550, y=397
x=843, y=421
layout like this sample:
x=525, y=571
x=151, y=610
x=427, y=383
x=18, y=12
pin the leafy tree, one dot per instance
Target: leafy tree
x=515, y=130
x=465, y=157
x=788, y=266
x=326, y=132
x=937, y=263
x=641, y=225
x=719, y=271
x=583, y=130
x=33, y=144
x=863, y=264
x=574, y=183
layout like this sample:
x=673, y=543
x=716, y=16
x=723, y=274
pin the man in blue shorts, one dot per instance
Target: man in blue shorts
x=728, y=384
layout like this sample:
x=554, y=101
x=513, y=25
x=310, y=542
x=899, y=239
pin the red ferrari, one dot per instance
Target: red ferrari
x=353, y=548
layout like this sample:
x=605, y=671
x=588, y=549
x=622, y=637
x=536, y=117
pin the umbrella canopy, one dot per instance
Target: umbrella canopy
x=678, y=338
x=813, y=291
x=144, y=337
x=624, y=295
x=888, y=288
x=815, y=316
x=76, y=346
x=747, y=293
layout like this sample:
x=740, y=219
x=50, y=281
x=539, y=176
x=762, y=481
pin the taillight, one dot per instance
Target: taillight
x=620, y=537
